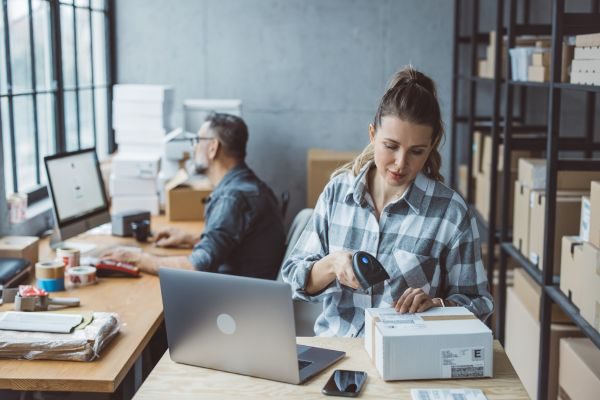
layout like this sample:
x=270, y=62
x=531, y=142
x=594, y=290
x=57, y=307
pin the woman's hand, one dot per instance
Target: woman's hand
x=341, y=263
x=415, y=300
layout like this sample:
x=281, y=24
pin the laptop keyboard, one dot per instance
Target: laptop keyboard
x=303, y=364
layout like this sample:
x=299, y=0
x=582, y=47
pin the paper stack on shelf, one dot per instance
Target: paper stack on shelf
x=585, y=68
x=142, y=117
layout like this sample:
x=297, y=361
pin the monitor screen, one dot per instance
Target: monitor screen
x=76, y=185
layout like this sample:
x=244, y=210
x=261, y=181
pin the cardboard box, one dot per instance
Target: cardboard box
x=589, y=262
x=595, y=214
x=186, y=197
x=20, y=247
x=568, y=209
x=579, y=370
x=584, y=222
x=126, y=186
x=522, y=344
x=521, y=220
x=136, y=165
x=320, y=165
x=570, y=278
x=442, y=343
x=538, y=73
x=482, y=196
x=486, y=160
x=463, y=173
x=532, y=173
x=541, y=58
x=530, y=292
x=148, y=203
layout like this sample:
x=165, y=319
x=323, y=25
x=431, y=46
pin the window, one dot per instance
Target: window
x=54, y=85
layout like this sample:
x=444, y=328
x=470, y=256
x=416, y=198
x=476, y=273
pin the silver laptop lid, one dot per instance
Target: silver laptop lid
x=230, y=323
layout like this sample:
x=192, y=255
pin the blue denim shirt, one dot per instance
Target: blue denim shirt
x=243, y=233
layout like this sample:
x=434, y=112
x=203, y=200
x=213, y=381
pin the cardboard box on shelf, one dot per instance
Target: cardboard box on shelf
x=541, y=58
x=568, y=209
x=579, y=369
x=185, y=197
x=463, y=172
x=532, y=173
x=486, y=158
x=595, y=213
x=584, y=223
x=522, y=344
x=477, y=152
x=538, y=73
x=570, y=277
x=320, y=165
x=442, y=343
x=530, y=292
x=20, y=247
x=482, y=196
x=521, y=220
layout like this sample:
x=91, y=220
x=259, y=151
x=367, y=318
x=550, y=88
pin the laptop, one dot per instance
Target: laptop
x=237, y=324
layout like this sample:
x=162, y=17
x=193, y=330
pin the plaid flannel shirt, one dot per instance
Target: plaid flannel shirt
x=426, y=239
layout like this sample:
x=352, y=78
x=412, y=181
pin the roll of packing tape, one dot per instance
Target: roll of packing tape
x=81, y=276
x=70, y=257
x=50, y=270
x=51, y=285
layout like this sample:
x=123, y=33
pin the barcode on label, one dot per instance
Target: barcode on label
x=465, y=371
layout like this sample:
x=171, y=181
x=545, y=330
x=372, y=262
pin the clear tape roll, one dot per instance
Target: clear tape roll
x=81, y=276
x=54, y=269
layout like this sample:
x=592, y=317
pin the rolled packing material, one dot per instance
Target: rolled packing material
x=81, y=276
x=51, y=285
x=50, y=270
x=69, y=256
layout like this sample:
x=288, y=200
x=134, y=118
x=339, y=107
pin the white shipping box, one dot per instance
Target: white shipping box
x=126, y=203
x=143, y=93
x=136, y=165
x=140, y=136
x=441, y=343
x=123, y=121
x=145, y=108
x=584, y=224
x=125, y=186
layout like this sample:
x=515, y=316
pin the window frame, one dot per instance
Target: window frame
x=39, y=192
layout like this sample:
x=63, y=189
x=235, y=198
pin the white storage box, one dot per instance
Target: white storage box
x=136, y=165
x=125, y=186
x=441, y=343
x=126, y=203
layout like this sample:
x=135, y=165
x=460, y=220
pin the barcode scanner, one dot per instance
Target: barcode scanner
x=367, y=269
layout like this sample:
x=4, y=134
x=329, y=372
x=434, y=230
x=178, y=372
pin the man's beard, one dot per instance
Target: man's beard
x=201, y=165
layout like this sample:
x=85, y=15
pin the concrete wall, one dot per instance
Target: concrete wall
x=309, y=72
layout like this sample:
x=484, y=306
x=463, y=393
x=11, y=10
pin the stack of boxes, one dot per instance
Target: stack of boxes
x=141, y=119
x=585, y=68
x=539, y=70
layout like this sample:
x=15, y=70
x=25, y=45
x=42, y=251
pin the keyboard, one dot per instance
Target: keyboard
x=303, y=364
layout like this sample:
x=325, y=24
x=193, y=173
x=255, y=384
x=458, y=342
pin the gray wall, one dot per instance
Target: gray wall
x=309, y=72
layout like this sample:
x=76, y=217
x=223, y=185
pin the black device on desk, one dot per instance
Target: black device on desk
x=367, y=269
x=13, y=271
x=345, y=383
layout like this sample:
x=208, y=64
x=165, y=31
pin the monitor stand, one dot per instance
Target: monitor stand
x=56, y=243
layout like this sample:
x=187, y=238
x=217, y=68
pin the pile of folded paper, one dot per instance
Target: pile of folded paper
x=83, y=343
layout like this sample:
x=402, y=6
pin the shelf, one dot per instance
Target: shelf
x=572, y=311
x=527, y=265
x=529, y=84
x=559, y=85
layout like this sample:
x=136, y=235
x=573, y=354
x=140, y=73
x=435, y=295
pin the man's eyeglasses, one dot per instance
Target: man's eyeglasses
x=197, y=139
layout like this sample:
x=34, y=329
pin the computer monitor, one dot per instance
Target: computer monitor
x=77, y=191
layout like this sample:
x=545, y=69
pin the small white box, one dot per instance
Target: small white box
x=143, y=93
x=136, y=165
x=125, y=203
x=441, y=343
x=140, y=136
x=125, y=186
x=584, y=224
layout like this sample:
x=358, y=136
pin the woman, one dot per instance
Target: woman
x=391, y=202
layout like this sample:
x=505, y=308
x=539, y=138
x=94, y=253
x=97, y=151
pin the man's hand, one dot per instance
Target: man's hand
x=415, y=300
x=145, y=262
x=173, y=237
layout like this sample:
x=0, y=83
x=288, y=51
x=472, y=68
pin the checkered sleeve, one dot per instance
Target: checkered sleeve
x=466, y=280
x=310, y=248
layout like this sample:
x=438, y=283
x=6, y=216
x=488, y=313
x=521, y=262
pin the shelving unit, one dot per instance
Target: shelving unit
x=502, y=130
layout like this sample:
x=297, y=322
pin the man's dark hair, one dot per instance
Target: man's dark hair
x=231, y=131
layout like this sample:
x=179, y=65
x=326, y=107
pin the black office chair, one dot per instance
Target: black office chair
x=305, y=313
x=285, y=200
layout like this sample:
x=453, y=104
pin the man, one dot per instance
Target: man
x=243, y=232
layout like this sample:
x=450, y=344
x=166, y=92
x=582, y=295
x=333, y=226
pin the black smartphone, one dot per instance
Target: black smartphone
x=345, y=383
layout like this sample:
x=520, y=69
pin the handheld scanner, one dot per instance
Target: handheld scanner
x=367, y=269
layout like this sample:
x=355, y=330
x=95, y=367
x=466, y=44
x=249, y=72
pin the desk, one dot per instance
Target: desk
x=139, y=305
x=172, y=380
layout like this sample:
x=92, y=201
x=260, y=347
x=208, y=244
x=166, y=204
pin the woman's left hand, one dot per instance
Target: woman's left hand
x=415, y=300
